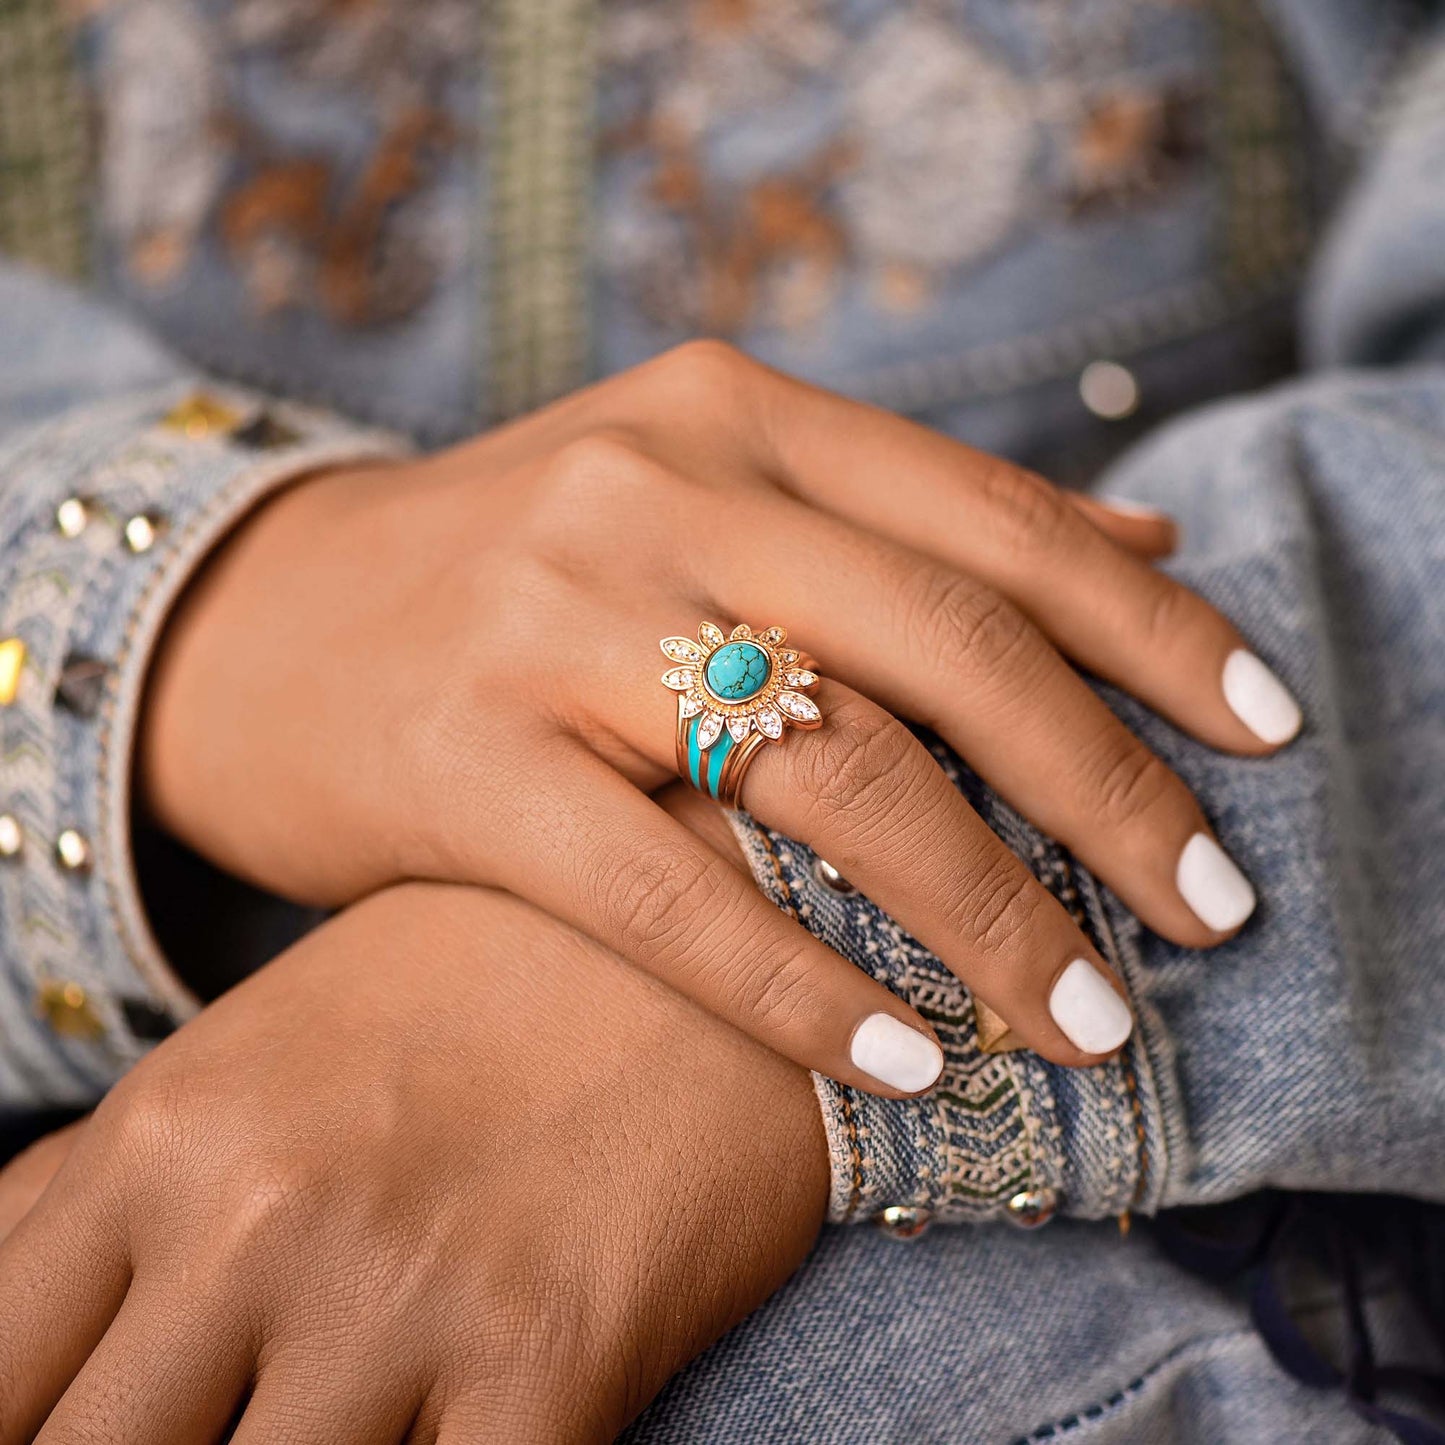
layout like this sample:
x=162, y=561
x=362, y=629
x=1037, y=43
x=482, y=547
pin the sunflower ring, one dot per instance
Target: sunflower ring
x=734, y=693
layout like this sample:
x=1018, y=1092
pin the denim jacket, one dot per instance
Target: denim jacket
x=1044, y=227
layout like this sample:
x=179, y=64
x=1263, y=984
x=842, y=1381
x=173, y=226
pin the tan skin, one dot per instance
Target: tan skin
x=496, y=1203
x=449, y=669
x=449, y=1169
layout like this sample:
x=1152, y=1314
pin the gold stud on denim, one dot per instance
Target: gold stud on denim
x=1030, y=1208
x=72, y=851
x=12, y=836
x=68, y=1010
x=142, y=530
x=903, y=1221
x=200, y=416
x=12, y=660
x=72, y=517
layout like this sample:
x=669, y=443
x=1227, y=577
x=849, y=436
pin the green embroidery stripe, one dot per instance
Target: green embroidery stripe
x=976, y=1106
x=541, y=133
x=43, y=141
x=1265, y=216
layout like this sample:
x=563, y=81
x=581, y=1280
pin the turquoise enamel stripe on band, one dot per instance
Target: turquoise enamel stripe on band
x=715, y=757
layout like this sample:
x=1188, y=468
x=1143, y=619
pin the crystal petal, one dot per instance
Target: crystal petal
x=680, y=679
x=691, y=704
x=740, y=724
x=741, y=630
x=709, y=729
x=773, y=636
x=800, y=677
x=710, y=635
x=801, y=709
x=787, y=657
x=682, y=649
x=770, y=721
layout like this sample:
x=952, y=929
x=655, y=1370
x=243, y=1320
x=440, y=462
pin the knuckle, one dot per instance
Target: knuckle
x=852, y=766
x=596, y=470
x=777, y=994
x=706, y=364
x=1130, y=786
x=974, y=624
x=142, y=1121
x=1000, y=905
x=1027, y=514
x=655, y=901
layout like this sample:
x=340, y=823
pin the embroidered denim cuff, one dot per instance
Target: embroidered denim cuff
x=1001, y=1136
x=105, y=514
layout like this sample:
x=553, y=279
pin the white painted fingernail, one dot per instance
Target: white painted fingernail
x=1088, y=1010
x=1212, y=885
x=1126, y=508
x=1259, y=699
x=888, y=1050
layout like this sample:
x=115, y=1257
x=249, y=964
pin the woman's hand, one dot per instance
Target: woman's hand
x=450, y=669
x=446, y=1171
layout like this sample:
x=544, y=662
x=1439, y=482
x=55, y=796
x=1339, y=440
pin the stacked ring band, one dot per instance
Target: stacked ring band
x=734, y=694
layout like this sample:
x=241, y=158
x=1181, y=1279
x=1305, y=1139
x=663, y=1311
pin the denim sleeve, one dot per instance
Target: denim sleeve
x=119, y=471
x=1307, y=1052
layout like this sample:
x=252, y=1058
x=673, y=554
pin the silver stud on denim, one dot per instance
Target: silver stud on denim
x=903, y=1221
x=72, y=851
x=142, y=530
x=1109, y=390
x=831, y=878
x=12, y=835
x=72, y=517
x=1031, y=1208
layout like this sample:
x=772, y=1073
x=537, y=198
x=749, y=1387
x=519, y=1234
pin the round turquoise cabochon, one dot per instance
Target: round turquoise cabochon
x=737, y=671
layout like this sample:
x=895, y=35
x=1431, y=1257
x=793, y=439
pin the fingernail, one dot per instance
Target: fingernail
x=888, y=1050
x=1212, y=885
x=1259, y=699
x=1088, y=1009
x=1126, y=508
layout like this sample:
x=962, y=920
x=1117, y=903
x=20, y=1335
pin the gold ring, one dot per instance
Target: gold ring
x=734, y=693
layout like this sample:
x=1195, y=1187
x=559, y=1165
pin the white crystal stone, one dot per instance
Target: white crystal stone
x=691, y=704
x=680, y=679
x=740, y=725
x=800, y=677
x=682, y=649
x=709, y=729
x=773, y=636
x=770, y=721
x=710, y=635
x=798, y=707
x=742, y=630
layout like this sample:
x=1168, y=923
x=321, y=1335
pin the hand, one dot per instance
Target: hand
x=449, y=669
x=445, y=1171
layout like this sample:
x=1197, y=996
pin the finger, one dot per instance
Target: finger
x=25, y=1177
x=605, y=858
x=309, y=1397
x=167, y=1372
x=64, y=1271
x=865, y=794
x=932, y=644
x=1141, y=530
x=1103, y=606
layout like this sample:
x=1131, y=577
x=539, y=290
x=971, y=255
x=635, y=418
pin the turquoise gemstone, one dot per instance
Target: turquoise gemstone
x=737, y=671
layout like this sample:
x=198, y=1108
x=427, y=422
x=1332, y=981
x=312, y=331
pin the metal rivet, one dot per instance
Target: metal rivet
x=830, y=877
x=12, y=660
x=1031, y=1208
x=200, y=416
x=903, y=1221
x=142, y=530
x=68, y=1010
x=72, y=517
x=264, y=433
x=12, y=835
x=72, y=851
x=1109, y=390
x=81, y=685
